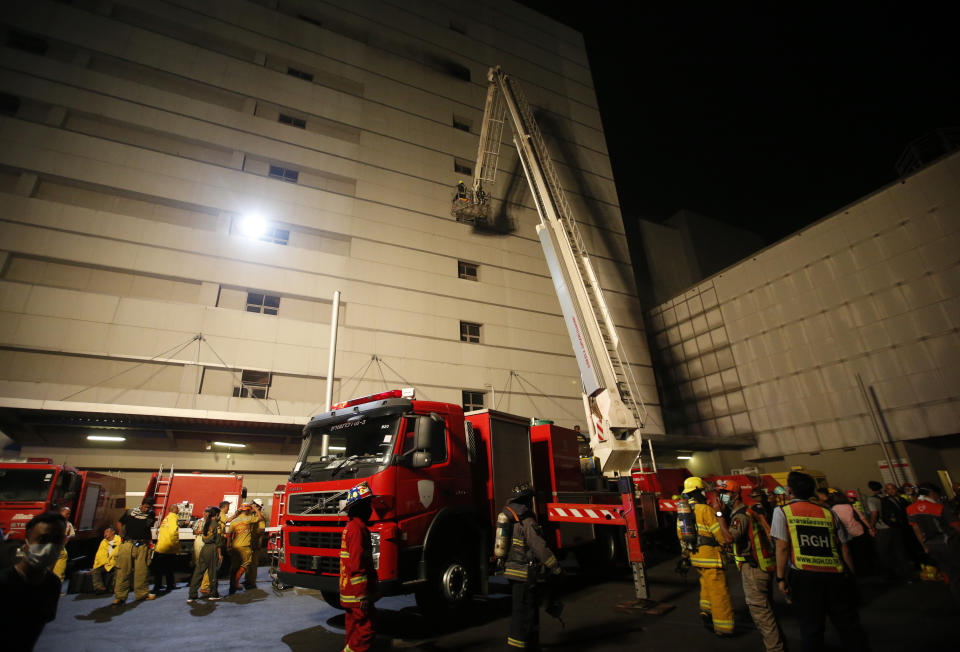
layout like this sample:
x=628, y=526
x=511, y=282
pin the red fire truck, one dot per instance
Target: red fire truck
x=192, y=492
x=32, y=486
x=439, y=478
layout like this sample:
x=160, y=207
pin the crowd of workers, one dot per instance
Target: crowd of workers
x=814, y=547
x=126, y=558
x=811, y=544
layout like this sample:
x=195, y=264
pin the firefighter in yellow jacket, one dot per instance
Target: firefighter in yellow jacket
x=712, y=534
x=105, y=559
x=242, y=530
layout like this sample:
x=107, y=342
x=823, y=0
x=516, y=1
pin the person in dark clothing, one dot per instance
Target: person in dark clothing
x=888, y=516
x=528, y=556
x=815, y=569
x=29, y=591
x=937, y=529
x=210, y=555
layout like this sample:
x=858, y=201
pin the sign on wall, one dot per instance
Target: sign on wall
x=903, y=469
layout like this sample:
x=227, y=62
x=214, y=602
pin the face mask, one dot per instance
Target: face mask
x=41, y=554
x=725, y=499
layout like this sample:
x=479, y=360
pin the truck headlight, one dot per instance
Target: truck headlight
x=375, y=547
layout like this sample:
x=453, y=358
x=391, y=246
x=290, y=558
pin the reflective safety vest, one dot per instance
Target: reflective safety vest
x=759, y=551
x=813, y=538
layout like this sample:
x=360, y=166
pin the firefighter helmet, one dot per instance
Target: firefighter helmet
x=521, y=490
x=357, y=493
x=692, y=484
x=728, y=485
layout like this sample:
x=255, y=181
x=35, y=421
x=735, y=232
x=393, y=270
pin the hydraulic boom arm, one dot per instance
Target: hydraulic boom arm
x=614, y=410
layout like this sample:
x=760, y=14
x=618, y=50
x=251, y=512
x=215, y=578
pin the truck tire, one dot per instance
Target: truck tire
x=449, y=588
x=604, y=554
x=332, y=598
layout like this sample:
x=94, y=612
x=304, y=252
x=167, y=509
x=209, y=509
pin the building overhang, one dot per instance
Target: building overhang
x=41, y=422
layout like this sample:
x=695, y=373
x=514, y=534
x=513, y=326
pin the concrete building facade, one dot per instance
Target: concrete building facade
x=183, y=187
x=831, y=345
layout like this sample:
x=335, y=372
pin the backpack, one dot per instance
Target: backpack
x=891, y=513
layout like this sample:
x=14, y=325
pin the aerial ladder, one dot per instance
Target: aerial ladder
x=614, y=409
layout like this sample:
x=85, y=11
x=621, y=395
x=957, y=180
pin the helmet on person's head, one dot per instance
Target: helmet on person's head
x=521, y=491
x=357, y=493
x=728, y=485
x=257, y=502
x=692, y=484
x=851, y=494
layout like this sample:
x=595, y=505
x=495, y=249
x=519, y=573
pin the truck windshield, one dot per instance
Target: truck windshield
x=367, y=439
x=31, y=485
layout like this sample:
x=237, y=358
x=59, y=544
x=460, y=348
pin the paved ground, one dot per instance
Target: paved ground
x=897, y=618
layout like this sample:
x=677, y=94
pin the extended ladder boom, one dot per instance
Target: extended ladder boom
x=614, y=409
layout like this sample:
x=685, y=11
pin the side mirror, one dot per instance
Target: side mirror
x=421, y=459
x=428, y=431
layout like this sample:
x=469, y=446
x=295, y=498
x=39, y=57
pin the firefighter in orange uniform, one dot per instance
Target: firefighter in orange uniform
x=358, y=577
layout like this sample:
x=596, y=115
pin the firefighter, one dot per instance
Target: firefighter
x=712, y=534
x=256, y=540
x=358, y=576
x=211, y=533
x=811, y=541
x=224, y=518
x=242, y=530
x=528, y=555
x=165, y=551
x=461, y=191
x=754, y=557
x=105, y=560
x=134, y=528
x=60, y=567
x=937, y=528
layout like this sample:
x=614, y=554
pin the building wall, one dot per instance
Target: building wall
x=137, y=138
x=773, y=345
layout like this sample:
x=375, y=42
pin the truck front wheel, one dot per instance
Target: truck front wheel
x=448, y=589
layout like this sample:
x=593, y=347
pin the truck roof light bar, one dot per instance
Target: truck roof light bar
x=406, y=392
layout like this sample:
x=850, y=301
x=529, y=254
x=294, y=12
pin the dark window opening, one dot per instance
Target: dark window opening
x=285, y=174
x=253, y=384
x=466, y=270
x=473, y=401
x=458, y=71
x=312, y=21
x=27, y=42
x=266, y=304
x=9, y=104
x=469, y=332
x=461, y=123
x=462, y=168
x=300, y=74
x=276, y=236
x=290, y=120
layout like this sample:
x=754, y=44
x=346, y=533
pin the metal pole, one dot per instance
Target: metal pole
x=328, y=399
x=653, y=461
x=876, y=426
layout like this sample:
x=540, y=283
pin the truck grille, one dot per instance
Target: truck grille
x=308, y=503
x=316, y=564
x=315, y=539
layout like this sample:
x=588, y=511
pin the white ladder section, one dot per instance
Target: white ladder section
x=161, y=493
x=627, y=385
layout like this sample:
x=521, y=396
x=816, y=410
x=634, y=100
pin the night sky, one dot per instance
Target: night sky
x=763, y=115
